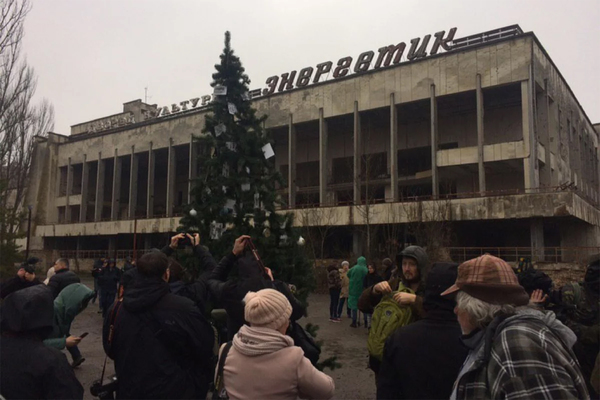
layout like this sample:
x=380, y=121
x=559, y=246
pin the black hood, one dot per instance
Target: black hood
x=419, y=254
x=144, y=292
x=441, y=276
x=28, y=310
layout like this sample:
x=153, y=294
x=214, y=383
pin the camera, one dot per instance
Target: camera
x=105, y=391
x=184, y=242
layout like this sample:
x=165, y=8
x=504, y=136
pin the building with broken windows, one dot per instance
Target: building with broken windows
x=487, y=136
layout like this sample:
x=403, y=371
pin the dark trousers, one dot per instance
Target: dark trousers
x=334, y=299
x=106, y=300
x=341, y=307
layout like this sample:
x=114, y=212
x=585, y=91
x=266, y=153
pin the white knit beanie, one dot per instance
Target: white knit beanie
x=267, y=308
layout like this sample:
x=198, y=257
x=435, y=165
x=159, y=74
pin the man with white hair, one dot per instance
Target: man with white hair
x=515, y=351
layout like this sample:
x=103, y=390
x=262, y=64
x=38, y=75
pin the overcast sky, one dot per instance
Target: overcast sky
x=91, y=56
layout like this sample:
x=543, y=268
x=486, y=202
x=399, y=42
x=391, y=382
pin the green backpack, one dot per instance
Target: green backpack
x=388, y=316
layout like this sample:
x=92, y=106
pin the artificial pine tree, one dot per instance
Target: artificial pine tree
x=235, y=192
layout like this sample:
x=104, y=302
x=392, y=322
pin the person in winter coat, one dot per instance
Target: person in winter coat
x=108, y=281
x=515, y=352
x=371, y=279
x=431, y=341
x=98, y=264
x=161, y=343
x=25, y=278
x=263, y=362
x=388, y=269
x=62, y=278
x=356, y=275
x=345, y=289
x=31, y=370
x=69, y=303
x=412, y=274
x=334, y=282
x=128, y=264
x=230, y=293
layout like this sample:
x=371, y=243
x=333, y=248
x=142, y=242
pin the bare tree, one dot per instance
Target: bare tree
x=430, y=226
x=20, y=122
x=318, y=224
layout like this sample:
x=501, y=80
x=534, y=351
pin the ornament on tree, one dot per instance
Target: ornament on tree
x=220, y=90
x=193, y=213
x=301, y=241
x=220, y=129
x=232, y=108
x=216, y=230
x=231, y=146
x=248, y=170
x=266, y=232
x=268, y=151
x=245, y=187
x=256, y=200
x=225, y=171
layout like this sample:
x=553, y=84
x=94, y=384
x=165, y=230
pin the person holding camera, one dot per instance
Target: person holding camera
x=25, y=278
x=161, y=344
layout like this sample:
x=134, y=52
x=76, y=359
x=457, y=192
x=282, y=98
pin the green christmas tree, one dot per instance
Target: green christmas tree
x=236, y=189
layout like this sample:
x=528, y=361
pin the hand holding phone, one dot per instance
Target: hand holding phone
x=84, y=334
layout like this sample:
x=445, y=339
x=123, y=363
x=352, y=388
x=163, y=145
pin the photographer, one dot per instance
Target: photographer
x=25, y=278
x=161, y=343
x=251, y=277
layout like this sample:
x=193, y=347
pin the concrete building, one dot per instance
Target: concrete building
x=488, y=129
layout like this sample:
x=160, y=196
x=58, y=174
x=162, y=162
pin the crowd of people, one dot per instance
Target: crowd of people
x=435, y=330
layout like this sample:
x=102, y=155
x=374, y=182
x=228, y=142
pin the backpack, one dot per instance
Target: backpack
x=388, y=316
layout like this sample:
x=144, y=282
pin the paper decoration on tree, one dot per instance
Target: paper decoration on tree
x=245, y=187
x=268, y=151
x=256, y=200
x=246, y=96
x=219, y=129
x=266, y=232
x=225, y=172
x=248, y=170
x=216, y=230
x=232, y=108
x=224, y=189
x=231, y=146
x=220, y=90
x=284, y=239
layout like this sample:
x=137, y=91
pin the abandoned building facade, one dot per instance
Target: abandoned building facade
x=486, y=135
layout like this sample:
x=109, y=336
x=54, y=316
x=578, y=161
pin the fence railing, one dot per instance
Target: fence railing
x=577, y=255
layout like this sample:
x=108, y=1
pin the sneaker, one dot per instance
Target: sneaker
x=353, y=325
x=337, y=320
x=331, y=320
x=77, y=362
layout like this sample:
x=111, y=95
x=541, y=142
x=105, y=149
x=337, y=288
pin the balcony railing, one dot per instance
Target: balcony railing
x=577, y=255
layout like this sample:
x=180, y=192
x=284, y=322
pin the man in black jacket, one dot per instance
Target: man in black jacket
x=25, y=278
x=108, y=282
x=30, y=369
x=62, y=278
x=161, y=343
x=422, y=360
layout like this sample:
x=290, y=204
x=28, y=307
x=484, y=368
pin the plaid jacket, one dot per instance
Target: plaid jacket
x=525, y=356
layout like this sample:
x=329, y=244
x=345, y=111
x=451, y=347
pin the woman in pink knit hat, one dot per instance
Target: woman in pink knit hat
x=262, y=361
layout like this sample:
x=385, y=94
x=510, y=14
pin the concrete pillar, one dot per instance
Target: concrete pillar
x=150, y=196
x=116, y=188
x=99, y=189
x=536, y=229
x=393, y=149
x=193, y=167
x=68, y=192
x=357, y=155
x=171, y=179
x=480, y=136
x=530, y=163
x=323, y=161
x=291, y=163
x=112, y=246
x=133, y=186
x=357, y=243
x=435, y=184
x=85, y=177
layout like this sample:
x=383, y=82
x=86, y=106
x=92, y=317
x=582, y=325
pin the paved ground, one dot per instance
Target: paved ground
x=353, y=380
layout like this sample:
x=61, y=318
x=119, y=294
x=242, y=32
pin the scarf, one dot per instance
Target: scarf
x=255, y=341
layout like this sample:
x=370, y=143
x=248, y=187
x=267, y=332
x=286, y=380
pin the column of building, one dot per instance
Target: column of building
x=85, y=174
x=291, y=163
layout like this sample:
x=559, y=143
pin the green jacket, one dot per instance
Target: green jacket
x=71, y=301
x=356, y=275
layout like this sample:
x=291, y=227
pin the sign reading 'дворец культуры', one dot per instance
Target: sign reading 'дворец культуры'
x=387, y=55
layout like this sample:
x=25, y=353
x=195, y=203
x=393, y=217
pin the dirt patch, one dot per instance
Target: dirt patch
x=353, y=380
